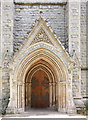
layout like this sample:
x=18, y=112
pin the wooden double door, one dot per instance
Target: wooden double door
x=40, y=90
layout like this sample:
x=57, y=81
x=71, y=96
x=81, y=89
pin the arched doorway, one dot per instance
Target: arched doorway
x=57, y=65
x=40, y=90
x=60, y=91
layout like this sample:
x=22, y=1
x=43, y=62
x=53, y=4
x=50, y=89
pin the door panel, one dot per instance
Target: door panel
x=40, y=90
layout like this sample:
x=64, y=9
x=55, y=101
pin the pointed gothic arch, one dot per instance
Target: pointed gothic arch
x=53, y=60
x=55, y=69
x=44, y=66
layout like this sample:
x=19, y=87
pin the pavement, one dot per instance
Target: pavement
x=42, y=113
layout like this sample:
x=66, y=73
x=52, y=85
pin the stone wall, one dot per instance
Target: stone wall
x=74, y=27
x=63, y=18
x=83, y=83
x=66, y=26
x=25, y=16
x=83, y=34
x=87, y=47
x=83, y=45
x=0, y=33
x=0, y=65
x=6, y=50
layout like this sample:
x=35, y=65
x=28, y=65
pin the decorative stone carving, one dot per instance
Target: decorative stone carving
x=41, y=37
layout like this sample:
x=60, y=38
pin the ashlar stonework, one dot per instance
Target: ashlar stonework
x=41, y=61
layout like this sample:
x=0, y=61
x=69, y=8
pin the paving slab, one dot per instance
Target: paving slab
x=39, y=113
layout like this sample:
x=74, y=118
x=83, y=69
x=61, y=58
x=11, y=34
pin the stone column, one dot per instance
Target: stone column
x=64, y=97
x=23, y=97
x=59, y=97
x=30, y=95
x=26, y=87
x=50, y=90
x=53, y=94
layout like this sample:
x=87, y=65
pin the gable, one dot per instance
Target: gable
x=41, y=37
x=41, y=33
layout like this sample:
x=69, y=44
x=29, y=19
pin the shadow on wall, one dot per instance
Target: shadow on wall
x=4, y=106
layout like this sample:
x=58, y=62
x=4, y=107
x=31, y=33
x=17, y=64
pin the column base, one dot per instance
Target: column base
x=15, y=110
x=71, y=110
x=12, y=108
x=62, y=110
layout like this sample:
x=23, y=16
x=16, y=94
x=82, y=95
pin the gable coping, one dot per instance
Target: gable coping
x=52, y=34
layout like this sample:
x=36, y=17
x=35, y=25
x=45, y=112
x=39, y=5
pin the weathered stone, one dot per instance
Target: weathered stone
x=30, y=42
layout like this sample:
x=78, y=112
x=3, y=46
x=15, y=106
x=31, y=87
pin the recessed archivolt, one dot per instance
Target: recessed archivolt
x=35, y=70
x=22, y=55
x=30, y=59
x=53, y=66
x=48, y=62
x=47, y=70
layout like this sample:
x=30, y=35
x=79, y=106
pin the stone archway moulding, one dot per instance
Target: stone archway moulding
x=52, y=83
x=47, y=49
x=55, y=58
x=42, y=45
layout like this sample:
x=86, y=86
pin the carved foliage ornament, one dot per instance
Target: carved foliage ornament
x=41, y=37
